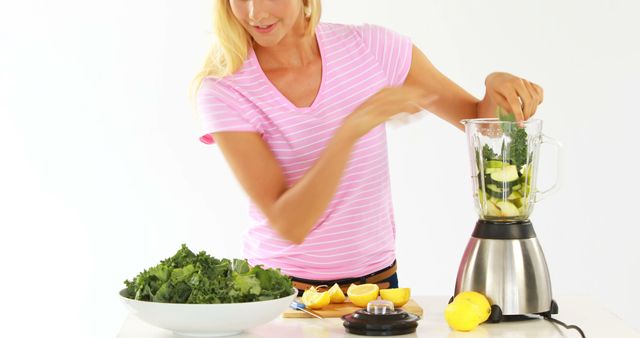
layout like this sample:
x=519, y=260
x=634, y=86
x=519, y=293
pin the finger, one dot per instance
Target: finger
x=525, y=97
x=539, y=90
x=501, y=101
x=533, y=103
x=536, y=97
x=516, y=107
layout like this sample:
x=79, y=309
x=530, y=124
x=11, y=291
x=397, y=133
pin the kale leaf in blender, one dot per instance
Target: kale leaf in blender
x=517, y=151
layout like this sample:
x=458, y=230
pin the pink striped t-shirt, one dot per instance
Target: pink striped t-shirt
x=356, y=234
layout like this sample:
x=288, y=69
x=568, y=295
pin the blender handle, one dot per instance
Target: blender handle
x=540, y=195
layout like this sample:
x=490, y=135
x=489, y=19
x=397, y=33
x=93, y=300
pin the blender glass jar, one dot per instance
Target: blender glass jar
x=504, y=161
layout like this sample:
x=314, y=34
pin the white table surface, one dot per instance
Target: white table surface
x=595, y=320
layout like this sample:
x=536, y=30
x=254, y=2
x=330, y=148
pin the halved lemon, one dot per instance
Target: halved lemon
x=336, y=294
x=362, y=294
x=398, y=296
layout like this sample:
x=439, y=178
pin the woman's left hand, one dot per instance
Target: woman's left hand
x=516, y=95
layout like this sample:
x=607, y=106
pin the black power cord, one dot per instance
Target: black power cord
x=568, y=327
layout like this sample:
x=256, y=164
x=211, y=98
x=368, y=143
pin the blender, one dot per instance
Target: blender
x=503, y=259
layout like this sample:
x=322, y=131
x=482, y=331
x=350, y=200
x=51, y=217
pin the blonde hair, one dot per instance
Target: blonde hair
x=231, y=45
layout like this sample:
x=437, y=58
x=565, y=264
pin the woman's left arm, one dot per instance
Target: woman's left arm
x=516, y=95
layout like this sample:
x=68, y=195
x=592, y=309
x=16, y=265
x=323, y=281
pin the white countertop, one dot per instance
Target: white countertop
x=594, y=319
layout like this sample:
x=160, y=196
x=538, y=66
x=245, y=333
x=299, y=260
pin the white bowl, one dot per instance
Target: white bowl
x=208, y=320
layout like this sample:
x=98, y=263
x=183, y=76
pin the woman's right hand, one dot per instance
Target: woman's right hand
x=383, y=105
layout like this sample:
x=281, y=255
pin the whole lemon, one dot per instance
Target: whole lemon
x=479, y=300
x=462, y=315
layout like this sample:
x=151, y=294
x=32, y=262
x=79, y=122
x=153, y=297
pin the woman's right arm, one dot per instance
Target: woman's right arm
x=292, y=211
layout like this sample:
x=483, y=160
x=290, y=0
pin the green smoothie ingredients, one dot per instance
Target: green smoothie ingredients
x=202, y=279
x=517, y=152
x=506, y=177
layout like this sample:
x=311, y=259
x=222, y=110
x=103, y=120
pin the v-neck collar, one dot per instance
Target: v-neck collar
x=279, y=94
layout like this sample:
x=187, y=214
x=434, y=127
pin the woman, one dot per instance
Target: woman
x=298, y=107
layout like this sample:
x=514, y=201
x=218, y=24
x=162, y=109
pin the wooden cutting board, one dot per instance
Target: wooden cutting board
x=339, y=310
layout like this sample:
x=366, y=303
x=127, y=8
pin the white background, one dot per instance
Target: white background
x=101, y=173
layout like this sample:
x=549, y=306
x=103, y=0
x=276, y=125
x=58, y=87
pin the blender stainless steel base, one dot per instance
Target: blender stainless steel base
x=504, y=261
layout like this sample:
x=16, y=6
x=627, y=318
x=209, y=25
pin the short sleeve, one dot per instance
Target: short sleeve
x=392, y=50
x=221, y=109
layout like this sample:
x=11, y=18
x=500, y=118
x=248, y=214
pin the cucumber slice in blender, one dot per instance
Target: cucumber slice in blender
x=480, y=195
x=492, y=209
x=517, y=202
x=496, y=164
x=507, y=175
x=508, y=209
x=526, y=171
x=515, y=195
x=496, y=191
